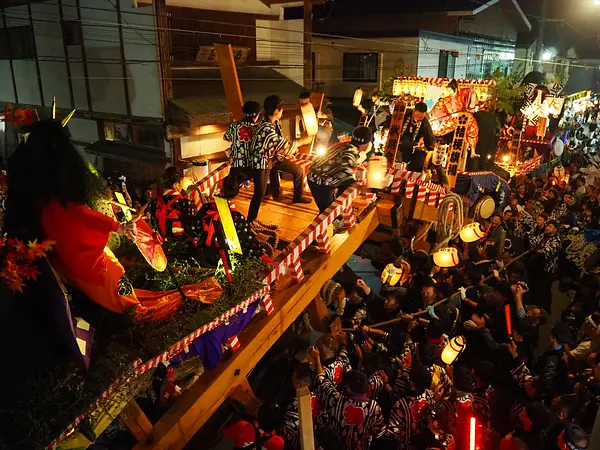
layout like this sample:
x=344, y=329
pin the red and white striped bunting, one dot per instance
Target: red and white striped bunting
x=107, y=393
x=138, y=368
x=291, y=256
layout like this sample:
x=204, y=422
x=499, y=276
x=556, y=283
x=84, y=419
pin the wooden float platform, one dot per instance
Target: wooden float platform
x=292, y=218
x=196, y=405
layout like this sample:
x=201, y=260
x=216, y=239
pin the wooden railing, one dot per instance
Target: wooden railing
x=316, y=231
x=288, y=260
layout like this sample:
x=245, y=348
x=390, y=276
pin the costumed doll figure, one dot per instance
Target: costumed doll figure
x=50, y=191
x=171, y=210
x=444, y=115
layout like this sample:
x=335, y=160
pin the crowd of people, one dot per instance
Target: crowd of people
x=387, y=387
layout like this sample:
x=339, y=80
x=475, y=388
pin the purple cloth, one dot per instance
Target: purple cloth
x=208, y=346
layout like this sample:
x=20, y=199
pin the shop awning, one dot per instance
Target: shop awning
x=199, y=97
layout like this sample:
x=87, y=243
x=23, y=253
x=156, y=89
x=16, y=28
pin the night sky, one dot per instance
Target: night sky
x=579, y=24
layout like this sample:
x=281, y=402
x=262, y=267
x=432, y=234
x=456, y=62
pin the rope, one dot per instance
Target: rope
x=420, y=313
x=447, y=226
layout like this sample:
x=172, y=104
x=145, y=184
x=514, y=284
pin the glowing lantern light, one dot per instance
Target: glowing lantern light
x=506, y=158
x=472, y=428
x=446, y=257
x=397, y=88
x=453, y=349
x=471, y=232
x=358, y=95
x=559, y=172
x=376, y=171
x=320, y=150
x=559, y=147
x=309, y=117
x=507, y=318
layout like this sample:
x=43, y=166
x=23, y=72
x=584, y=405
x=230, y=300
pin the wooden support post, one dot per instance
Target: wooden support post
x=323, y=242
x=134, y=419
x=308, y=44
x=349, y=217
x=307, y=435
x=231, y=83
x=297, y=273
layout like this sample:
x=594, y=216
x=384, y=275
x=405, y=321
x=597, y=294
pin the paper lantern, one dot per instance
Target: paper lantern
x=559, y=172
x=471, y=232
x=453, y=348
x=358, y=95
x=397, y=88
x=446, y=257
x=559, y=147
x=309, y=117
x=376, y=170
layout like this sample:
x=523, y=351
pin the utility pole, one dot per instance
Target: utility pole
x=539, y=45
x=307, y=75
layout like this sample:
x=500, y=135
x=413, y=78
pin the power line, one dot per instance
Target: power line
x=432, y=50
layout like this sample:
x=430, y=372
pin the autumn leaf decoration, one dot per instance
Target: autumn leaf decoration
x=19, y=260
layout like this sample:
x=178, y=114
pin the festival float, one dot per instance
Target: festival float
x=209, y=292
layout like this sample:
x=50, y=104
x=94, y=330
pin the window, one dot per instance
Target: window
x=72, y=32
x=447, y=64
x=147, y=135
x=116, y=132
x=17, y=43
x=361, y=67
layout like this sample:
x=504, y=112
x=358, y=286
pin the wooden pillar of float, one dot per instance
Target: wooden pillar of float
x=231, y=83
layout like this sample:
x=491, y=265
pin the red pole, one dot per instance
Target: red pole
x=507, y=317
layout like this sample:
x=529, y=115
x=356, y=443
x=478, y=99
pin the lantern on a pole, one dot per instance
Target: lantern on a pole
x=453, y=349
x=446, y=257
x=358, y=95
x=471, y=232
x=309, y=117
x=376, y=171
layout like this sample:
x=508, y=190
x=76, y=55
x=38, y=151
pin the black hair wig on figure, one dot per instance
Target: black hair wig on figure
x=45, y=167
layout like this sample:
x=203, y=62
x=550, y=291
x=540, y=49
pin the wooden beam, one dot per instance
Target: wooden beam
x=197, y=404
x=136, y=421
x=307, y=435
x=231, y=83
x=308, y=44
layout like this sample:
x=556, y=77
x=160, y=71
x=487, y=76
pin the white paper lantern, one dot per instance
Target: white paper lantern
x=471, y=232
x=446, y=257
x=397, y=88
x=358, y=95
x=376, y=171
x=309, y=117
x=559, y=147
x=453, y=348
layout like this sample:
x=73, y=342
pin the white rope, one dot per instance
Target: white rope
x=446, y=226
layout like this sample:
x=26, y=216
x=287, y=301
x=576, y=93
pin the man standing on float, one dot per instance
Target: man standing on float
x=416, y=126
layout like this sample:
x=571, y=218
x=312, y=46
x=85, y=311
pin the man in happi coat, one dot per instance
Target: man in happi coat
x=355, y=417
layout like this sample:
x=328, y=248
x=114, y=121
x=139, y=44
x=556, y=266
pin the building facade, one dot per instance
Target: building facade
x=463, y=39
x=140, y=74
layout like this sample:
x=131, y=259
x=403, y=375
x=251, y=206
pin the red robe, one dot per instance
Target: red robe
x=83, y=261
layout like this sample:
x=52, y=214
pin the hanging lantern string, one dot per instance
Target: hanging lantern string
x=444, y=300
